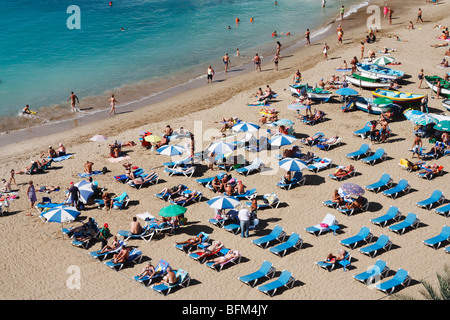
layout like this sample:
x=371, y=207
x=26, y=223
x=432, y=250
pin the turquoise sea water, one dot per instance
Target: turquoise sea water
x=42, y=60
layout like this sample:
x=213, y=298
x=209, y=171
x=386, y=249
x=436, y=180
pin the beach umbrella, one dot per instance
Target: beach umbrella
x=221, y=147
x=172, y=210
x=85, y=188
x=279, y=140
x=382, y=101
x=61, y=214
x=423, y=119
x=292, y=164
x=223, y=202
x=171, y=150
x=284, y=122
x=351, y=190
x=296, y=106
x=152, y=138
x=245, y=127
x=408, y=114
x=443, y=126
x=382, y=61
x=98, y=137
x=347, y=92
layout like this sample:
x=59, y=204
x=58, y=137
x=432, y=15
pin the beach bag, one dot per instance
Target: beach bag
x=323, y=225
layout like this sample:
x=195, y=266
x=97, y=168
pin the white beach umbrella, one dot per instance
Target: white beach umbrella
x=245, y=127
x=281, y=140
x=221, y=147
x=223, y=202
x=292, y=164
x=171, y=150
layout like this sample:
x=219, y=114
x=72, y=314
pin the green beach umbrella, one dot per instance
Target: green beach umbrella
x=172, y=210
x=382, y=101
x=382, y=61
x=443, y=126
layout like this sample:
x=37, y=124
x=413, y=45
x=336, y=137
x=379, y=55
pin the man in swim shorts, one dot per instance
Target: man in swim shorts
x=307, y=35
x=226, y=61
x=73, y=99
x=257, y=62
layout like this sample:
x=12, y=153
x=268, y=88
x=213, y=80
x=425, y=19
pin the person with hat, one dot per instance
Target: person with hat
x=104, y=235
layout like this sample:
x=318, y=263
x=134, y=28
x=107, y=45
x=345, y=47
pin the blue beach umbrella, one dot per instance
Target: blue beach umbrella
x=284, y=122
x=85, y=188
x=282, y=140
x=351, y=190
x=296, y=106
x=347, y=92
x=223, y=202
x=61, y=214
x=408, y=114
x=292, y=164
x=171, y=150
x=245, y=127
x=221, y=147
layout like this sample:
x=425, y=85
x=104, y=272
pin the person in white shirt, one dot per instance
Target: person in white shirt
x=244, y=218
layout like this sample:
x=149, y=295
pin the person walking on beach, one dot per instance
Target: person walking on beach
x=112, y=103
x=278, y=47
x=420, y=76
x=226, y=61
x=31, y=192
x=362, y=50
x=307, y=35
x=210, y=74
x=257, y=62
x=419, y=15
x=385, y=11
x=275, y=60
x=73, y=100
x=325, y=51
x=391, y=12
x=342, y=12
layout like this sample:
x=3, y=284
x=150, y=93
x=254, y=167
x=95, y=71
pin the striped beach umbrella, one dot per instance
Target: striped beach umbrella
x=223, y=202
x=423, y=119
x=171, y=150
x=221, y=147
x=296, y=106
x=292, y=164
x=408, y=114
x=382, y=61
x=282, y=140
x=61, y=214
x=245, y=127
x=85, y=188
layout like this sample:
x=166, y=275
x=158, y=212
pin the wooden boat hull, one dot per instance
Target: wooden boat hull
x=444, y=91
x=398, y=97
x=380, y=74
x=366, y=105
x=366, y=84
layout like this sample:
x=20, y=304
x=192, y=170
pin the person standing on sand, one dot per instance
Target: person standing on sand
x=31, y=192
x=278, y=47
x=420, y=76
x=73, y=100
x=362, y=50
x=257, y=63
x=419, y=15
x=226, y=61
x=210, y=74
x=325, y=51
x=391, y=12
x=385, y=11
x=307, y=35
x=112, y=102
x=275, y=60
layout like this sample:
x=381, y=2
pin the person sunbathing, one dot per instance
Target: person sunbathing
x=229, y=190
x=355, y=204
x=216, y=245
x=329, y=141
x=308, y=156
x=240, y=188
x=331, y=258
x=170, y=278
x=48, y=189
x=114, y=246
x=148, y=270
x=263, y=119
x=142, y=180
x=444, y=63
x=107, y=200
x=216, y=184
x=344, y=171
x=88, y=167
x=227, y=257
x=227, y=125
x=290, y=153
x=128, y=170
x=438, y=148
x=439, y=45
x=114, y=149
x=287, y=177
x=336, y=198
x=186, y=197
x=172, y=191
x=51, y=153
x=189, y=243
x=122, y=256
x=447, y=53
x=164, y=141
x=429, y=170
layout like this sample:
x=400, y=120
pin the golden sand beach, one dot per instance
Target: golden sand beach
x=39, y=262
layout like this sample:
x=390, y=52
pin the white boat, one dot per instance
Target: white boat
x=366, y=104
x=446, y=104
x=364, y=82
x=373, y=70
x=445, y=85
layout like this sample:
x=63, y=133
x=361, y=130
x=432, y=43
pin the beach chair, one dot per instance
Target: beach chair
x=265, y=271
x=125, y=178
x=270, y=201
x=160, y=269
x=363, y=235
x=207, y=181
x=320, y=164
x=83, y=243
x=256, y=165
x=378, y=270
x=401, y=187
x=384, y=182
x=276, y=234
x=297, y=179
x=330, y=204
x=363, y=151
x=363, y=132
x=401, y=278
x=429, y=174
x=383, y=243
x=183, y=162
x=202, y=257
x=436, y=241
x=246, y=195
x=187, y=171
x=319, y=116
x=445, y=210
x=183, y=280
x=236, y=162
x=293, y=242
x=167, y=196
x=436, y=198
x=284, y=280
x=103, y=255
x=186, y=247
x=310, y=141
x=259, y=145
x=330, y=144
x=379, y=154
x=331, y=266
x=183, y=202
x=135, y=256
x=341, y=176
x=218, y=267
x=149, y=179
x=323, y=227
x=393, y=214
x=146, y=234
x=351, y=211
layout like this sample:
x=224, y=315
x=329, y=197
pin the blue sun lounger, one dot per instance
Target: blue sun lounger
x=363, y=132
x=378, y=270
x=402, y=186
x=363, y=151
x=134, y=255
x=411, y=220
x=160, y=269
x=294, y=242
x=393, y=214
x=436, y=242
x=276, y=234
x=146, y=234
x=379, y=154
x=401, y=278
x=324, y=226
x=383, y=243
x=297, y=178
x=385, y=181
x=436, y=198
x=331, y=266
x=363, y=235
x=284, y=280
x=183, y=280
x=207, y=181
x=103, y=255
x=265, y=271
x=445, y=210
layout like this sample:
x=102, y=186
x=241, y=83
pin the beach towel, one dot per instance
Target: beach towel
x=344, y=70
x=85, y=175
x=67, y=156
x=8, y=195
x=115, y=160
